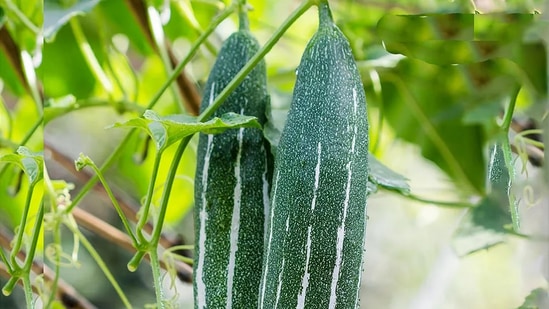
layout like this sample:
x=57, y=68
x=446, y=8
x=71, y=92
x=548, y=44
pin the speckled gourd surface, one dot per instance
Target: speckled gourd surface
x=316, y=223
x=231, y=186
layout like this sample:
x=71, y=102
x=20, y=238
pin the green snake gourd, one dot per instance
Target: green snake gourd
x=316, y=222
x=232, y=185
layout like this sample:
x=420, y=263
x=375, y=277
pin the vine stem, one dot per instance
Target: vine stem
x=155, y=265
x=447, y=204
x=508, y=117
x=145, y=214
x=221, y=17
x=27, y=287
x=30, y=257
x=5, y=260
x=114, y=202
x=186, y=11
x=95, y=255
x=22, y=224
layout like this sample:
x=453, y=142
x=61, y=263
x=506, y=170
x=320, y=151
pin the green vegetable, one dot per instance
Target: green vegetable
x=316, y=224
x=232, y=186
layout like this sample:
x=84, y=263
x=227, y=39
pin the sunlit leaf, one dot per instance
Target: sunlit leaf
x=30, y=162
x=169, y=129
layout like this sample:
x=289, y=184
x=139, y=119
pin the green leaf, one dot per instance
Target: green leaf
x=169, y=129
x=386, y=178
x=56, y=16
x=537, y=299
x=30, y=162
x=482, y=227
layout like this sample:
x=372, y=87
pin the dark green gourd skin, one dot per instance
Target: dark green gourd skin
x=231, y=186
x=316, y=224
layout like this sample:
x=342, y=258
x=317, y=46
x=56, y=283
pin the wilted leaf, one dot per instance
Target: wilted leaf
x=169, y=129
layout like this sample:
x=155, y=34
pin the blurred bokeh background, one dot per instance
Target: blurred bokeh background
x=437, y=87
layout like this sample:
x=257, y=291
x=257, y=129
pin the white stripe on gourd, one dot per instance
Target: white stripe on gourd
x=235, y=222
x=316, y=225
x=203, y=216
x=231, y=186
x=269, y=242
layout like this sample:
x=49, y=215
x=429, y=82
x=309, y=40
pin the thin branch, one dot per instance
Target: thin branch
x=186, y=86
x=112, y=234
x=12, y=52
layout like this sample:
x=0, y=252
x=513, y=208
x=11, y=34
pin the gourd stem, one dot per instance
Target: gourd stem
x=324, y=14
x=508, y=118
x=243, y=22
